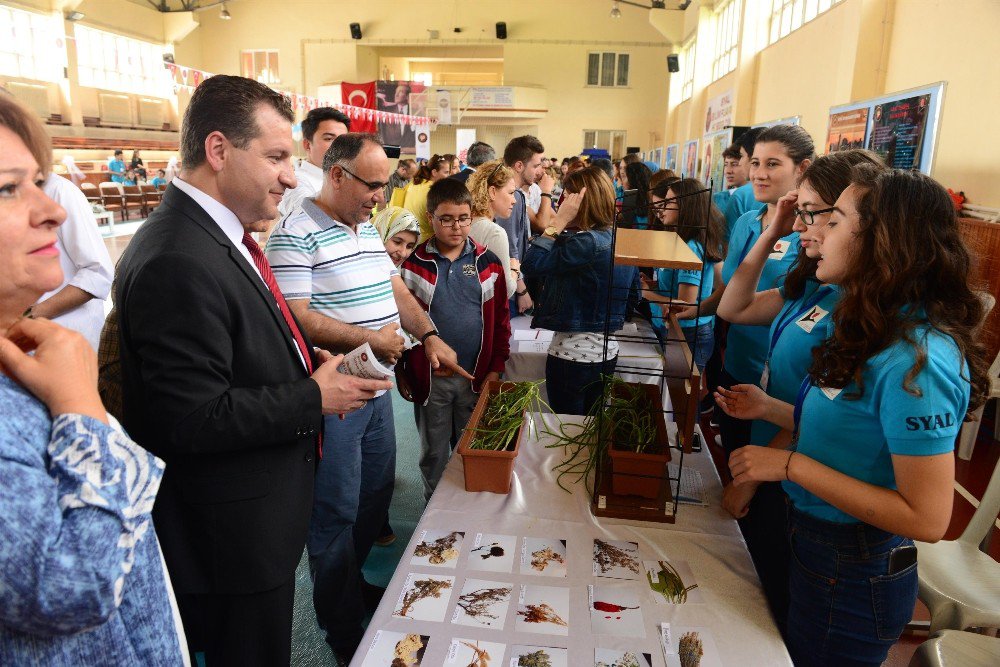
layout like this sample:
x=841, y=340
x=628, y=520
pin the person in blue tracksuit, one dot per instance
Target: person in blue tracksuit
x=799, y=316
x=871, y=466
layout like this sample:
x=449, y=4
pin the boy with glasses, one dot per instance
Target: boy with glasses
x=462, y=287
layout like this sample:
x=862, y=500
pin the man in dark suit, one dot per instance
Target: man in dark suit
x=221, y=383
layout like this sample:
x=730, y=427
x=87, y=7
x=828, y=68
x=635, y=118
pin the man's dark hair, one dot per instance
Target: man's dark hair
x=520, y=149
x=448, y=191
x=604, y=164
x=347, y=147
x=406, y=162
x=480, y=153
x=748, y=139
x=632, y=158
x=226, y=104
x=732, y=152
x=312, y=120
x=119, y=151
x=161, y=171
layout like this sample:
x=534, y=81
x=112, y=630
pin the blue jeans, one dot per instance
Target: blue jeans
x=574, y=387
x=701, y=342
x=353, y=489
x=845, y=607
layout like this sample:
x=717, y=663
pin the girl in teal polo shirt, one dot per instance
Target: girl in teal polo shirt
x=780, y=156
x=876, y=417
x=799, y=316
x=685, y=206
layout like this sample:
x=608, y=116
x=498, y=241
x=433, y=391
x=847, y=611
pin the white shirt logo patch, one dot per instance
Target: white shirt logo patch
x=809, y=320
x=779, y=250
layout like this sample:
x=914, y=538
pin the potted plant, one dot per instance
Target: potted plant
x=637, y=439
x=491, y=440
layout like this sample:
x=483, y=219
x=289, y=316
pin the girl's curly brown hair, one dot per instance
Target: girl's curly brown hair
x=908, y=258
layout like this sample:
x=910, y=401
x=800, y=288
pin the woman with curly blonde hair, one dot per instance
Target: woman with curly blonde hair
x=492, y=188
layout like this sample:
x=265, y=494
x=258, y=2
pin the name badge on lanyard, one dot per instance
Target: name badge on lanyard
x=806, y=317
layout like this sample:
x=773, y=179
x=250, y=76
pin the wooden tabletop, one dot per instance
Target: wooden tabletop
x=659, y=249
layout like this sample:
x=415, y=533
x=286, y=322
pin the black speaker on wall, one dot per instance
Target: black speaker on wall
x=501, y=30
x=356, y=31
x=673, y=63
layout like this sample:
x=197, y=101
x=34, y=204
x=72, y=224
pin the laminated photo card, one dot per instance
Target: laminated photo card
x=424, y=597
x=390, y=649
x=438, y=548
x=543, y=609
x=483, y=604
x=492, y=553
x=544, y=557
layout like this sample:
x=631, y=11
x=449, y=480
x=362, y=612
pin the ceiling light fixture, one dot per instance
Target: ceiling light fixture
x=616, y=13
x=74, y=16
x=224, y=13
x=653, y=4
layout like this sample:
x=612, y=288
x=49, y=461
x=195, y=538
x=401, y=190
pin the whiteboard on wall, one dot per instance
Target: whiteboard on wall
x=902, y=127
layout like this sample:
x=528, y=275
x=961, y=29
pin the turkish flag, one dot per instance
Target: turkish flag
x=360, y=95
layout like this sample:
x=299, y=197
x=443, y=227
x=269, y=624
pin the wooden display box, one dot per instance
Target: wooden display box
x=488, y=470
x=641, y=473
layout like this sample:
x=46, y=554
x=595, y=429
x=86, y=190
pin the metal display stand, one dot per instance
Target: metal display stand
x=653, y=248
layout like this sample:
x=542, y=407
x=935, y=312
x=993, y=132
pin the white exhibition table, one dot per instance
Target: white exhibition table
x=729, y=611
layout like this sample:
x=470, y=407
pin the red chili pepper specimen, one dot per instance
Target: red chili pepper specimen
x=610, y=607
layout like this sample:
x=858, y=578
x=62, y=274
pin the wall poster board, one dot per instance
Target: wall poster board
x=901, y=127
x=689, y=162
x=712, y=162
x=788, y=120
x=670, y=157
x=658, y=156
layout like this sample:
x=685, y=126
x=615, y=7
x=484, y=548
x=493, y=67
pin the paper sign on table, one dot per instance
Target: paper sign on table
x=538, y=346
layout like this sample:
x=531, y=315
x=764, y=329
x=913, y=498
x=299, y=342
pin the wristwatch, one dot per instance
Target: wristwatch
x=547, y=194
x=551, y=232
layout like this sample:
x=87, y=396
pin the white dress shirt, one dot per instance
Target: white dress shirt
x=310, y=182
x=83, y=257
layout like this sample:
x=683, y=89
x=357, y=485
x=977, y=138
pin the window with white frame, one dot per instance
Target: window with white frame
x=789, y=15
x=607, y=69
x=260, y=65
x=613, y=141
x=727, y=39
x=122, y=64
x=32, y=46
x=687, y=69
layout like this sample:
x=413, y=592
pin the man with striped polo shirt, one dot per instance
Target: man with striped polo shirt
x=333, y=270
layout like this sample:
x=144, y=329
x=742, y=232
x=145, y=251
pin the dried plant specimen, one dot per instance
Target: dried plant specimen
x=690, y=650
x=421, y=590
x=477, y=603
x=540, y=559
x=608, y=556
x=537, y=659
x=493, y=550
x=541, y=613
x=630, y=659
x=481, y=657
x=440, y=550
x=405, y=654
x=669, y=584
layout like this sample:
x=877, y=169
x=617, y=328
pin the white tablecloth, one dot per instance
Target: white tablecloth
x=734, y=611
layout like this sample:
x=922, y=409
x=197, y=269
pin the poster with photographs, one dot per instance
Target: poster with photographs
x=400, y=97
x=538, y=656
x=492, y=553
x=474, y=652
x=615, y=610
x=483, y=604
x=670, y=157
x=609, y=657
x=690, y=647
x=543, y=556
x=898, y=129
x=543, y=609
x=396, y=649
x=672, y=582
x=438, y=548
x=846, y=130
x=616, y=560
x=424, y=597
x=689, y=161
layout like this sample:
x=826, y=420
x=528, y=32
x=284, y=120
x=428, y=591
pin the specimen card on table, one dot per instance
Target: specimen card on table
x=617, y=560
x=523, y=334
x=424, y=597
x=538, y=656
x=438, y=548
x=483, y=604
x=475, y=652
x=395, y=648
x=672, y=582
x=614, y=610
x=492, y=553
x=543, y=609
x=543, y=556
x=538, y=346
x=609, y=657
x=689, y=646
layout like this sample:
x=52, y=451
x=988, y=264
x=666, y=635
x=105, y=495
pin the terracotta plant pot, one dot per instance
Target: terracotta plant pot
x=642, y=474
x=488, y=470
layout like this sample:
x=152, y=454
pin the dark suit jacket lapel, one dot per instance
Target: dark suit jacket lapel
x=177, y=199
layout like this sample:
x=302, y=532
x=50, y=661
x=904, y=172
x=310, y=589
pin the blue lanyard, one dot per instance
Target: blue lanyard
x=797, y=412
x=818, y=296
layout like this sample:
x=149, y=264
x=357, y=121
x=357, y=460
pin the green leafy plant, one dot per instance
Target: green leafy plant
x=504, y=414
x=669, y=584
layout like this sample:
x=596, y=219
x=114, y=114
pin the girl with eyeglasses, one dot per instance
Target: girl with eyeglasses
x=799, y=316
x=875, y=418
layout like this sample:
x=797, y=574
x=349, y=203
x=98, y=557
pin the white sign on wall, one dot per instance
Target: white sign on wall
x=492, y=97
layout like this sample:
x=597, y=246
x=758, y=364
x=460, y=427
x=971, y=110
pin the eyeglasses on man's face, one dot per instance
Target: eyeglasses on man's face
x=809, y=217
x=372, y=186
x=452, y=221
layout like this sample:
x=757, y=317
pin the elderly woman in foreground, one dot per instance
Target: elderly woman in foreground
x=81, y=577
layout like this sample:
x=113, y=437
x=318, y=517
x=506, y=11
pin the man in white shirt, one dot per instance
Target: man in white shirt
x=319, y=128
x=78, y=303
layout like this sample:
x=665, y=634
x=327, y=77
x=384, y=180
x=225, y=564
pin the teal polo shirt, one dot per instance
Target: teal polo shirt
x=858, y=437
x=739, y=202
x=670, y=280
